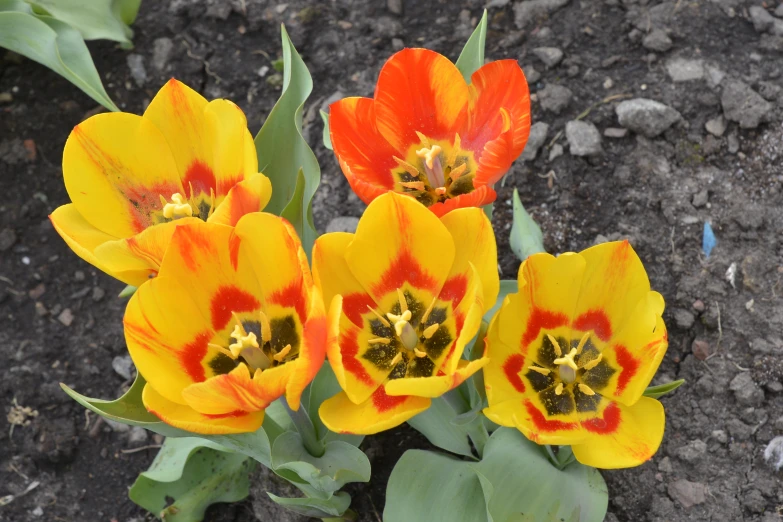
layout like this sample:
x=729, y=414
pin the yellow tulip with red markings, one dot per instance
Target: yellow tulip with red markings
x=407, y=293
x=431, y=135
x=132, y=178
x=572, y=352
x=232, y=322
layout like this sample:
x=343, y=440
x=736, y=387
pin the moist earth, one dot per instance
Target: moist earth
x=651, y=119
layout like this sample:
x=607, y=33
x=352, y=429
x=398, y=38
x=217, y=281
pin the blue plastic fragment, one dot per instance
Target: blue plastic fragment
x=708, y=241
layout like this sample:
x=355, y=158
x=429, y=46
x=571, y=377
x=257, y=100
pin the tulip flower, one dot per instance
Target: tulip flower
x=407, y=293
x=132, y=178
x=429, y=134
x=572, y=353
x=231, y=323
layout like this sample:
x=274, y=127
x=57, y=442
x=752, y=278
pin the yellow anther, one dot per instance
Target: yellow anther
x=239, y=324
x=397, y=359
x=178, y=208
x=414, y=185
x=419, y=353
x=592, y=363
x=403, y=301
x=428, y=311
x=410, y=169
x=556, y=346
x=379, y=340
x=430, y=330
x=559, y=389
x=455, y=148
x=242, y=341
x=585, y=389
x=458, y=171
x=423, y=139
x=266, y=329
x=582, y=343
x=279, y=356
x=568, y=360
x=380, y=317
x=429, y=154
x=538, y=369
x=404, y=317
x=440, y=190
x=402, y=322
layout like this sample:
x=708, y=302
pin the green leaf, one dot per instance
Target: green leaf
x=472, y=56
x=662, y=389
x=327, y=136
x=514, y=482
x=325, y=386
x=316, y=507
x=526, y=237
x=96, y=19
x=52, y=43
x=127, y=292
x=196, y=474
x=283, y=153
x=435, y=423
x=507, y=286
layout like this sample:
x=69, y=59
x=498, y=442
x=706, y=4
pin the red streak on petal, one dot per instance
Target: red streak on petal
x=200, y=177
x=597, y=321
x=226, y=184
x=315, y=334
x=607, y=424
x=544, y=424
x=233, y=250
x=405, y=269
x=354, y=305
x=541, y=319
x=454, y=290
x=511, y=368
x=629, y=366
x=292, y=296
x=230, y=299
x=193, y=354
x=349, y=348
x=384, y=403
x=190, y=241
x=231, y=414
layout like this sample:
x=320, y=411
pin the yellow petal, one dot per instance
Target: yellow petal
x=333, y=277
x=233, y=391
x=312, y=351
x=250, y=195
x=532, y=421
x=437, y=385
x=378, y=413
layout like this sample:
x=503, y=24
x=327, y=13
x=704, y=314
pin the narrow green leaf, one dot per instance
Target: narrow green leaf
x=507, y=286
x=95, y=20
x=127, y=292
x=526, y=237
x=315, y=507
x=52, y=43
x=325, y=386
x=435, y=423
x=327, y=136
x=662, y=389
x=195, y=475
x=126, y=10
x=472, y=56
x=283, y=152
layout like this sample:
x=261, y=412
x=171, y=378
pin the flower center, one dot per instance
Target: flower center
x=567, y=366
x=178, y=208
x=262, y=349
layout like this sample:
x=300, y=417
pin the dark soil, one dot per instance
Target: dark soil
x=60, y=320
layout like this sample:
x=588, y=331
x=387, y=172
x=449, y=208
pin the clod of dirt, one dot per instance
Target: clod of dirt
x=687, y=493
x=744, y=105
x=745, y=390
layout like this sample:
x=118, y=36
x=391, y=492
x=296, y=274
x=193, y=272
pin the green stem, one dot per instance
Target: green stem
x=478, y=435
x=306, y=430
x=552, y=456
x=350, y=516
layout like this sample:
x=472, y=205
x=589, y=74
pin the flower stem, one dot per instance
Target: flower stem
x=306, y=430
x=478, y=434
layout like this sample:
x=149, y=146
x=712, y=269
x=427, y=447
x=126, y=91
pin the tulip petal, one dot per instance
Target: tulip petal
x=188, y=419
x=495, y=160
x=233, y=391
x=378, y=413
x=312, y=352
x=249, y=195
x=419, y=90
x=623, y=436
x=436, y=385
x=480, y=196
x=333, y=276
x=365, y=156
x=529, y=418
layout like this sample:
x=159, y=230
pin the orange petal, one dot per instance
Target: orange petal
x=378, y=413
x=495, y=159
x=233, y=391
x=311, y=352
x=480, y=196
x=419, y=90
x=250, y=195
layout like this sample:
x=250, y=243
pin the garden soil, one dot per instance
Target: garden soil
x=655, y=179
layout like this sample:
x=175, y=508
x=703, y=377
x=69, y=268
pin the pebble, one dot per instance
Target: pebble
x=733, y=143
x=40, y=309
x=538, y=132
x=657, y=40
x=716, y=126
x=714, y=76
x=554, y=98
x=137, y=70
x=700, y=199
x=720, y=436
x=123, y=366
x=531, y=74
x=555, y=152
x=745, y=390
x=66, y=317
x=37, y=292
x=684, y=70
x=779, y=11
x=700, y=349
x=38, y=511
x=665, y=465
x=137, y=435
x=7, y=239
x=773, y=453
x=343, y=224
x=6, y=97
x=692, y=451
x=79, y=276
x=687, y=493
x=698, y=305
x=615, y=132
x=762, y=20
x=646, y=117
x=551, y=56
x=744, y=105
x=583, y=138
x=529, y=11
x=161, y=53
x=394, y=6
x=683, y=318
x=98, y=293
x=116, y=426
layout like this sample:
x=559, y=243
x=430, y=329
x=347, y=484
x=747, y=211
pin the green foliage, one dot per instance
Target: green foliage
x=283, y=154
x=327, y=137
x=53, y=43
x=514, y=482
x=662, y=389
x=507, y=286
x=526, y=237
x=472, y=56
x=195, y=473
x=95, y=19
x=437, y=424
x=315, y=507
x=127, y=292
x=325, y=386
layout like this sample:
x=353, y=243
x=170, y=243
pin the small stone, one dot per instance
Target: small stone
x=66, y=317
x=161, y=53
x=551, y=56
x=615, y=132
x=343, y=224
x=692, y=451
x=779, y=423
x=683, y=318
x=714, y=76
x=394, y=6
x=665, y=465
x=583, y=138
x=657, y=40
x=779, y=11
x=116, y=426
x=123, y=366
x=137, y=70
x=554, y=98
x=744, y=105
x=555, y=152
x=773, y=453
x=37, y=292
x=79, y=276
x=716, y=126
x=531, y=74
x=98, y=293
x=7, y=239
x=762, y=20
x=529, y=11
x=698, y=305
x=137, y=435
x=535, y=140
x=700, y=349
x=745, y=390
x=647, y=117
x=733, y=143
x=398, y=44
x=684, y=70
x=687, y=493
x=720, y=436
x=6, y=97
x=700, y=199
x=40, y=309
x=38, y=511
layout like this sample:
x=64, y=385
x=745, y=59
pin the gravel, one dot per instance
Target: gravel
x=762, y=20
x=528, y=11
x=685, y=70
x=687, y=493
x=646, y=117
x=551, y=56
x=716, y=126
x=137, y=70
x=657, y=40
x=343, y=224
x=743, y=105
x=745, y=390
x=555, y=98
x=538, y=132
x=583, y=138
